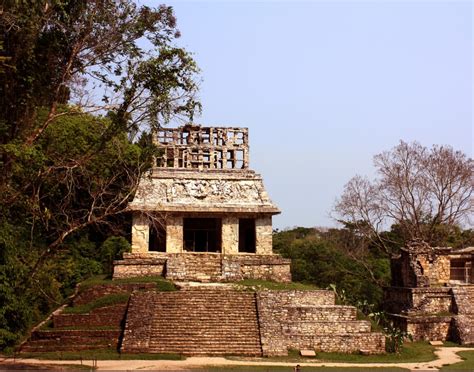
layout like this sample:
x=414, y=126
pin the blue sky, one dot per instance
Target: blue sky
x=325, y=85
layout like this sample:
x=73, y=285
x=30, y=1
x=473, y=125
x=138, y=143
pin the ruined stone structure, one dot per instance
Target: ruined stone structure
x=207, y=321
x=202, y=214
x=432, y=293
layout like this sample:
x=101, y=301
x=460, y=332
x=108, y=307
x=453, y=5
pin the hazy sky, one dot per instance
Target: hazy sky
x=323, y=86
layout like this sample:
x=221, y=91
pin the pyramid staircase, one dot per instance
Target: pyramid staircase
x=193, y=322
x=99, y=329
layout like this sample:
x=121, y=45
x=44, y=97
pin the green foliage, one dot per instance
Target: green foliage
x=113, y=249
x=67, y=175
x=319, y=258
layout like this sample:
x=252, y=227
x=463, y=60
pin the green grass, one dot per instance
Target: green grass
x=249, y=368
x=265, y=284
x=467, y=364
x=112, y=299
x=411, y=352
x=106, y=354
x=161, y=283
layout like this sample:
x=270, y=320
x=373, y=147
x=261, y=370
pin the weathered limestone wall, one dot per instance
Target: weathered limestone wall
x=428, y=300
x=174, y=234
x=204, y=267
x=311, y=320
x=429, y=328
x=139, y=264
x=264, y=235
x=230, y=235
x=436, y=268
x=140, y=233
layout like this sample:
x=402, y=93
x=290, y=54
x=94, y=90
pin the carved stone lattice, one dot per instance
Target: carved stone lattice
x=196, y=147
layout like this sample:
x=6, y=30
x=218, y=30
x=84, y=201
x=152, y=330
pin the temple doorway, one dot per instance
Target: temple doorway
x=202, y=234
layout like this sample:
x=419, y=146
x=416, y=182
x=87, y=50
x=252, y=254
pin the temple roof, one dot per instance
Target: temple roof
x=188, y=190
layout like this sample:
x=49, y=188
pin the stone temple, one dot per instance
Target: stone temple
x=203, y=219
x=202, y=214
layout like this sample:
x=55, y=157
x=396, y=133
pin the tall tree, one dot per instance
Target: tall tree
x=58, y=50
x=417, y=189
x=79, y=80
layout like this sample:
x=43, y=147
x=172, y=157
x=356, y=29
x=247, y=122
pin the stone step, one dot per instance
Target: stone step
x=328, y=313
x=74, y=334
x=345, y=343
x=33, y=348
x=326, y=328
x=195, y=322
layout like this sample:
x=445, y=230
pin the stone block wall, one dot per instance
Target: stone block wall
x=436, y=268
x=428, y=300
x=428, y=328
x=139, y=265
x=204, y=266
x=311, y=320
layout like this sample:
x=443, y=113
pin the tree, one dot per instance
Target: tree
x=55, y=50
x=69, y=160
x=425, y=192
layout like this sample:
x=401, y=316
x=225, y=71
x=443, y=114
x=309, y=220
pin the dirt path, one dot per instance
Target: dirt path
x=446, y=355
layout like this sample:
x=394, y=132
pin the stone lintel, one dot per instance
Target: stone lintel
x=186, y=208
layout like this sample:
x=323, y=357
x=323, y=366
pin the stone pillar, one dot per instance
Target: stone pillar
x=174, y=234
x=140, y=233
x=230, y=235
x=263, y=232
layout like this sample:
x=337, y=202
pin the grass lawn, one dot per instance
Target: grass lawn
x=466, y=365
x=106, y=354
x=19, y=366
x=112, y=299
x=265, y=284
x=161, y=283
x=411, y=352
x=290, y=369
x=420, y=351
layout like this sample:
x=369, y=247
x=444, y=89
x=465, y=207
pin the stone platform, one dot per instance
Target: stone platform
x=209, y=320
x=433, y=313
x=204, y=267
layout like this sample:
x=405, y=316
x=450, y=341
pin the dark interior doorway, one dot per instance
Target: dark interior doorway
x=247, y=235
x=157, y=240
x=202, y=234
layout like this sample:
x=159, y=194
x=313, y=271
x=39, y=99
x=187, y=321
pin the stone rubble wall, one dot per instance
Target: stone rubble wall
x=372, y=343
x=463, y=323
x=429, y=300
x=311, y=320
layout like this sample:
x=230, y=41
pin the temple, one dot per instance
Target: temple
x=432, y=292
x=202, y=214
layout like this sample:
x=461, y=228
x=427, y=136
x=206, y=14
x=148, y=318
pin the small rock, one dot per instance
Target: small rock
x=436, y=343
x=307, y=353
